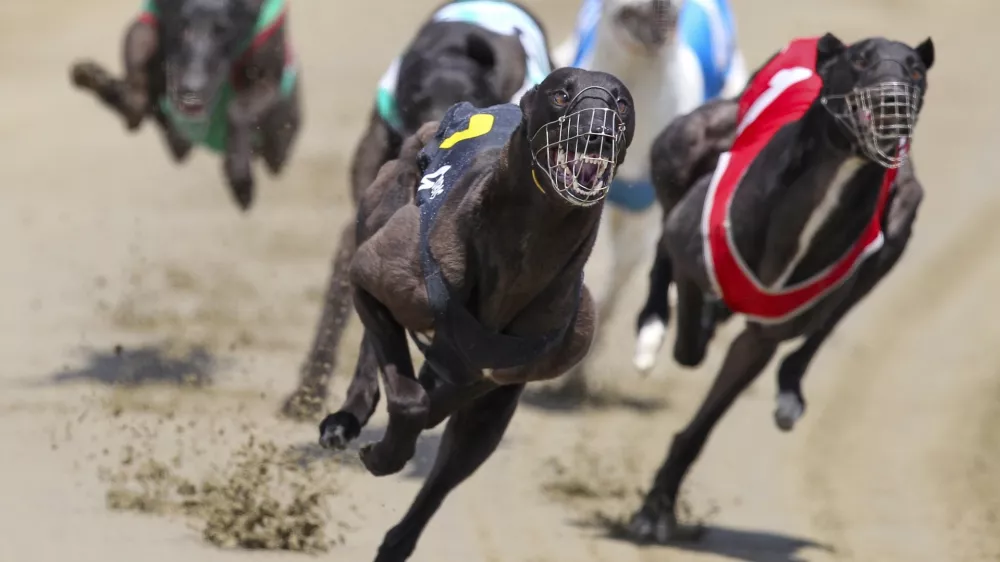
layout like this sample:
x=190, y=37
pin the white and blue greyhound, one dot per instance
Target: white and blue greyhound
x=673, y=55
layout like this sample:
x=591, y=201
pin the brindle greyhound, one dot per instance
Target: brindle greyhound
x=820, y=217
x=476, y=246
x=485, y=52
x=219, y=73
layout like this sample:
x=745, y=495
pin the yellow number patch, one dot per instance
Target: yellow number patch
x=479, y=125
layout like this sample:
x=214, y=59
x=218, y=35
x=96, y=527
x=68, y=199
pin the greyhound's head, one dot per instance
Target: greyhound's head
x=645, y=26
x=579, y=125
x=874, y=88
x=204, y=38
x=457, y=62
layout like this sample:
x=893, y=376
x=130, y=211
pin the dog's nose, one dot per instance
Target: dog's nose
x=193, y=83
x=895, y=107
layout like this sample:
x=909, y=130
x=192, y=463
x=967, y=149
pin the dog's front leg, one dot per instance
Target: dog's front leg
x=128, y=97
x=244, y=115
x=898, y=224
x=407, y=401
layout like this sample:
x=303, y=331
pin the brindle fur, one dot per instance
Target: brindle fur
x=779, y=192
x=516, y=251
x=494, y=70
x=257, y=106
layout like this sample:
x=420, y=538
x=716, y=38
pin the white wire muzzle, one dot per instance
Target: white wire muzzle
x=581, y=150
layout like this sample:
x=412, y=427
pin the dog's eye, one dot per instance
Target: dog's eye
x=622, y=107
x=916, y=74
x=859, y=61
x=560, y=98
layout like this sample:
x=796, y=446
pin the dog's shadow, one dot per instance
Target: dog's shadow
x=146, y=365
x=736, y=544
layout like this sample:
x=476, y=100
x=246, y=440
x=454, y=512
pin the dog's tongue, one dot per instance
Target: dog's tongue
x=586, y=173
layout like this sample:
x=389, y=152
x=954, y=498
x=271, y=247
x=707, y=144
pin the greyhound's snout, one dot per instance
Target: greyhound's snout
x=193, y=84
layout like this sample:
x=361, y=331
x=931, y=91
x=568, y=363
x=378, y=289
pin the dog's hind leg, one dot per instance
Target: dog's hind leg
x=344, y=425
x=470, y=437
x=408, y=402
x=656, y=520
x=376, y=148
x=307, y=400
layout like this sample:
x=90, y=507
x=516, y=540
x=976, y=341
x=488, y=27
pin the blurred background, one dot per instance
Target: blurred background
x=119, y=265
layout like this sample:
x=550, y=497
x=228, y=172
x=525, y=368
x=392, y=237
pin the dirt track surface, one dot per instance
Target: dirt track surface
x=106, y=243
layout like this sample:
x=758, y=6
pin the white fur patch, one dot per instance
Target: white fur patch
x=648, y=344
x=426, y=337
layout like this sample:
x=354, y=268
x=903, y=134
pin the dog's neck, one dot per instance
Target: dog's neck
x=818, y=197
x=531, y=241
x=518, y=184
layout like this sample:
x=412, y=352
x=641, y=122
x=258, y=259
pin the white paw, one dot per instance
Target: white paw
x=426, y=337
x=787, y=411
x=648, y=344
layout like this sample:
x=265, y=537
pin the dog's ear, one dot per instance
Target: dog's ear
x=526, y=100
x=480, y=50
x=925, y=51
x=829, y=47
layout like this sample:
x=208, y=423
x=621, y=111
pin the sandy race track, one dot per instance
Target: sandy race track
x=119, y=267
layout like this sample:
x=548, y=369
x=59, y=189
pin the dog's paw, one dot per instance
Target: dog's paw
x=241, y=185
x=89, y=75
x=338, y=429
x=381, y=462
x=660, y=526
x=648, y=344
x=788, y=409
x=180, y=147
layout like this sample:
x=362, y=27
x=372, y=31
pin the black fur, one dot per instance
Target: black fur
x=445, y=63
x=513, y=256
x=777, y=195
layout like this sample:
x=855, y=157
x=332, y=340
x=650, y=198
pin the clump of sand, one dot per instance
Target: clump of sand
x=263, y=498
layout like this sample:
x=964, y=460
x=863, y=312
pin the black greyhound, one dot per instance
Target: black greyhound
x=218, y=73
x=466, y=51
x=817, y=145
x=474, y=241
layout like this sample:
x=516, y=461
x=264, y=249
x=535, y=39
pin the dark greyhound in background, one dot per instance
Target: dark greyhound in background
x=817, y=145
x=483, y=52
x=474, y=242
x=219, y=73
